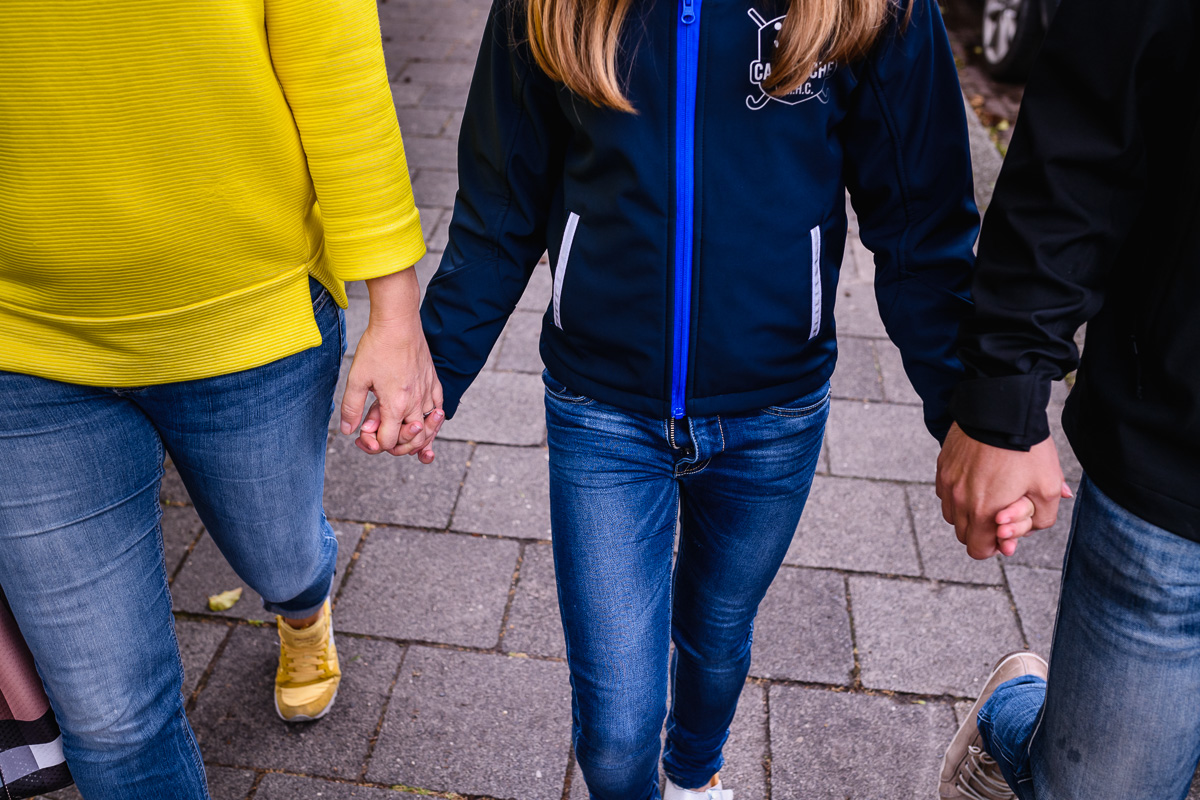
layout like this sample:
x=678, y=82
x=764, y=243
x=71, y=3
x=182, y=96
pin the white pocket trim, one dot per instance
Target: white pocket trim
x=560, y=271
x=817, y=291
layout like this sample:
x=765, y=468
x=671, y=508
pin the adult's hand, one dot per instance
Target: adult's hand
x=392, y=361
x=994, y=496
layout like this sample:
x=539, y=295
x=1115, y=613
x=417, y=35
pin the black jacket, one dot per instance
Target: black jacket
x=1096, y=218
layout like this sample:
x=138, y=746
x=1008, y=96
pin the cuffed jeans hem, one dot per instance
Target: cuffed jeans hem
x=696, y=778
x=1006, y=725
x=302, y=606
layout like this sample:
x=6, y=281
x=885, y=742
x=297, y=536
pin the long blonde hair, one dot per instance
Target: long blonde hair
x=577, y=42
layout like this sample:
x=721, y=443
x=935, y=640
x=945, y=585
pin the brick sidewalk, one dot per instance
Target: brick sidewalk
x=877, y=633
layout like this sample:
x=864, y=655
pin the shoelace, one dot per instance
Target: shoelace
x=980, y=777
x=304, y=665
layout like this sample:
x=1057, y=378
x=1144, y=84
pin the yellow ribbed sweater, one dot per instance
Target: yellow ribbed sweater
x=161, y=164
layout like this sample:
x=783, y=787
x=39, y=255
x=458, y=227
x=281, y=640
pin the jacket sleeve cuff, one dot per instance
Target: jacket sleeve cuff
x=1008, y=412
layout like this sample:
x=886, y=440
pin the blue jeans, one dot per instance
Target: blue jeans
x=81, y=554
x=1119, y=718
x=618, y=483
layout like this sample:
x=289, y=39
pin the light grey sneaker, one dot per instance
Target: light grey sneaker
x=673, y=792
x=968, y=772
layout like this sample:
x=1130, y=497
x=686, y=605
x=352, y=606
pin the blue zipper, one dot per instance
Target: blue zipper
x=687, y=67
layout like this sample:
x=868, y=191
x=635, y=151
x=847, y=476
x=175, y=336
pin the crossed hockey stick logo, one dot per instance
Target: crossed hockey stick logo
x=814, y=88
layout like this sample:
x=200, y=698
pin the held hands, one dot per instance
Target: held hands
x=392, y=360
x=994, y=496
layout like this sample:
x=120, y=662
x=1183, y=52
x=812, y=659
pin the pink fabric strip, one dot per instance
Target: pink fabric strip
x=20, y=685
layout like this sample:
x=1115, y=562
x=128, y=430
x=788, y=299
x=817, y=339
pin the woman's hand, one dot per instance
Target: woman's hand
x=392, y=361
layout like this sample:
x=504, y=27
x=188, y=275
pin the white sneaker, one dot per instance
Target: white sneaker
x=673, y=792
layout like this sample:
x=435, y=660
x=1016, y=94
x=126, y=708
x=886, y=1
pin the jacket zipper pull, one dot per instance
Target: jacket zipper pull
x=688, y=15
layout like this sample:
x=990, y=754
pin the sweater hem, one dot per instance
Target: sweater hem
x=231, y=333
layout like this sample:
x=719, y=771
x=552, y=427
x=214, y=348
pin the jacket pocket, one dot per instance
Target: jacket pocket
x=817, y=288
x=560, y=270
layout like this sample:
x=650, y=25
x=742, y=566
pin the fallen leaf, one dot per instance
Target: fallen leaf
x=225, y=600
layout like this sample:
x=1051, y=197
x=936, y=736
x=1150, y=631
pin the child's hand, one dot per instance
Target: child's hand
x=416, y=438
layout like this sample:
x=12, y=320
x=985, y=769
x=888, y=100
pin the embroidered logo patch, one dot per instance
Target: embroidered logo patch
x=813, y=89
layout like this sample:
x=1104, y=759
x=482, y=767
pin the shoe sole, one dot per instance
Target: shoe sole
x=969, y=723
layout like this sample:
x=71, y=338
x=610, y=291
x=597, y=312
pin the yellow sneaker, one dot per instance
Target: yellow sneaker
x=306, y=683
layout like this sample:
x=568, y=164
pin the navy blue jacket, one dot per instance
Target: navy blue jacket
x=696, y=245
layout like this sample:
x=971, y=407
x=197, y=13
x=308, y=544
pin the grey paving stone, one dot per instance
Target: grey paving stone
x=521, y=338
x=1046, y=548
x=385, y=489
x=500, y=408
x=944, y=557
x=476, y=724
x=206, y=572
x=534, y=624
x=879, y=440
x=451, y=97
x=440, y=153
x=228, y=784
x=435, y=187
x=962, y=709
x=507, y=493
x=856, y=376
x=439, y=235
x=928, y=638
x=855, y=525
x=897, y=388
x=172, y=489
x=180, y=529
x=537, y=293
x=856, y=312
x=858, y=264
x=404, y=95
x=803, y=629
x=985, y=160
x=236, y=723
x=833, y=746
x=746, y=749
x=198, y=643
x=1035, y=591
x=431, y=218
x=453, y=73
x=453, y=32
x=294, y=787
x=431, y=587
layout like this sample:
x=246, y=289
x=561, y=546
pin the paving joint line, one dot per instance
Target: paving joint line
x=512, y=593
x=570, y=776
x=395, y=787
x=387, y=701
x=768, y=759
x=202, y=684
x=853, y=573
x=461, y=484
x=367, y=527
x=856, y=670
x=912, y=524
x=1012, y=604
